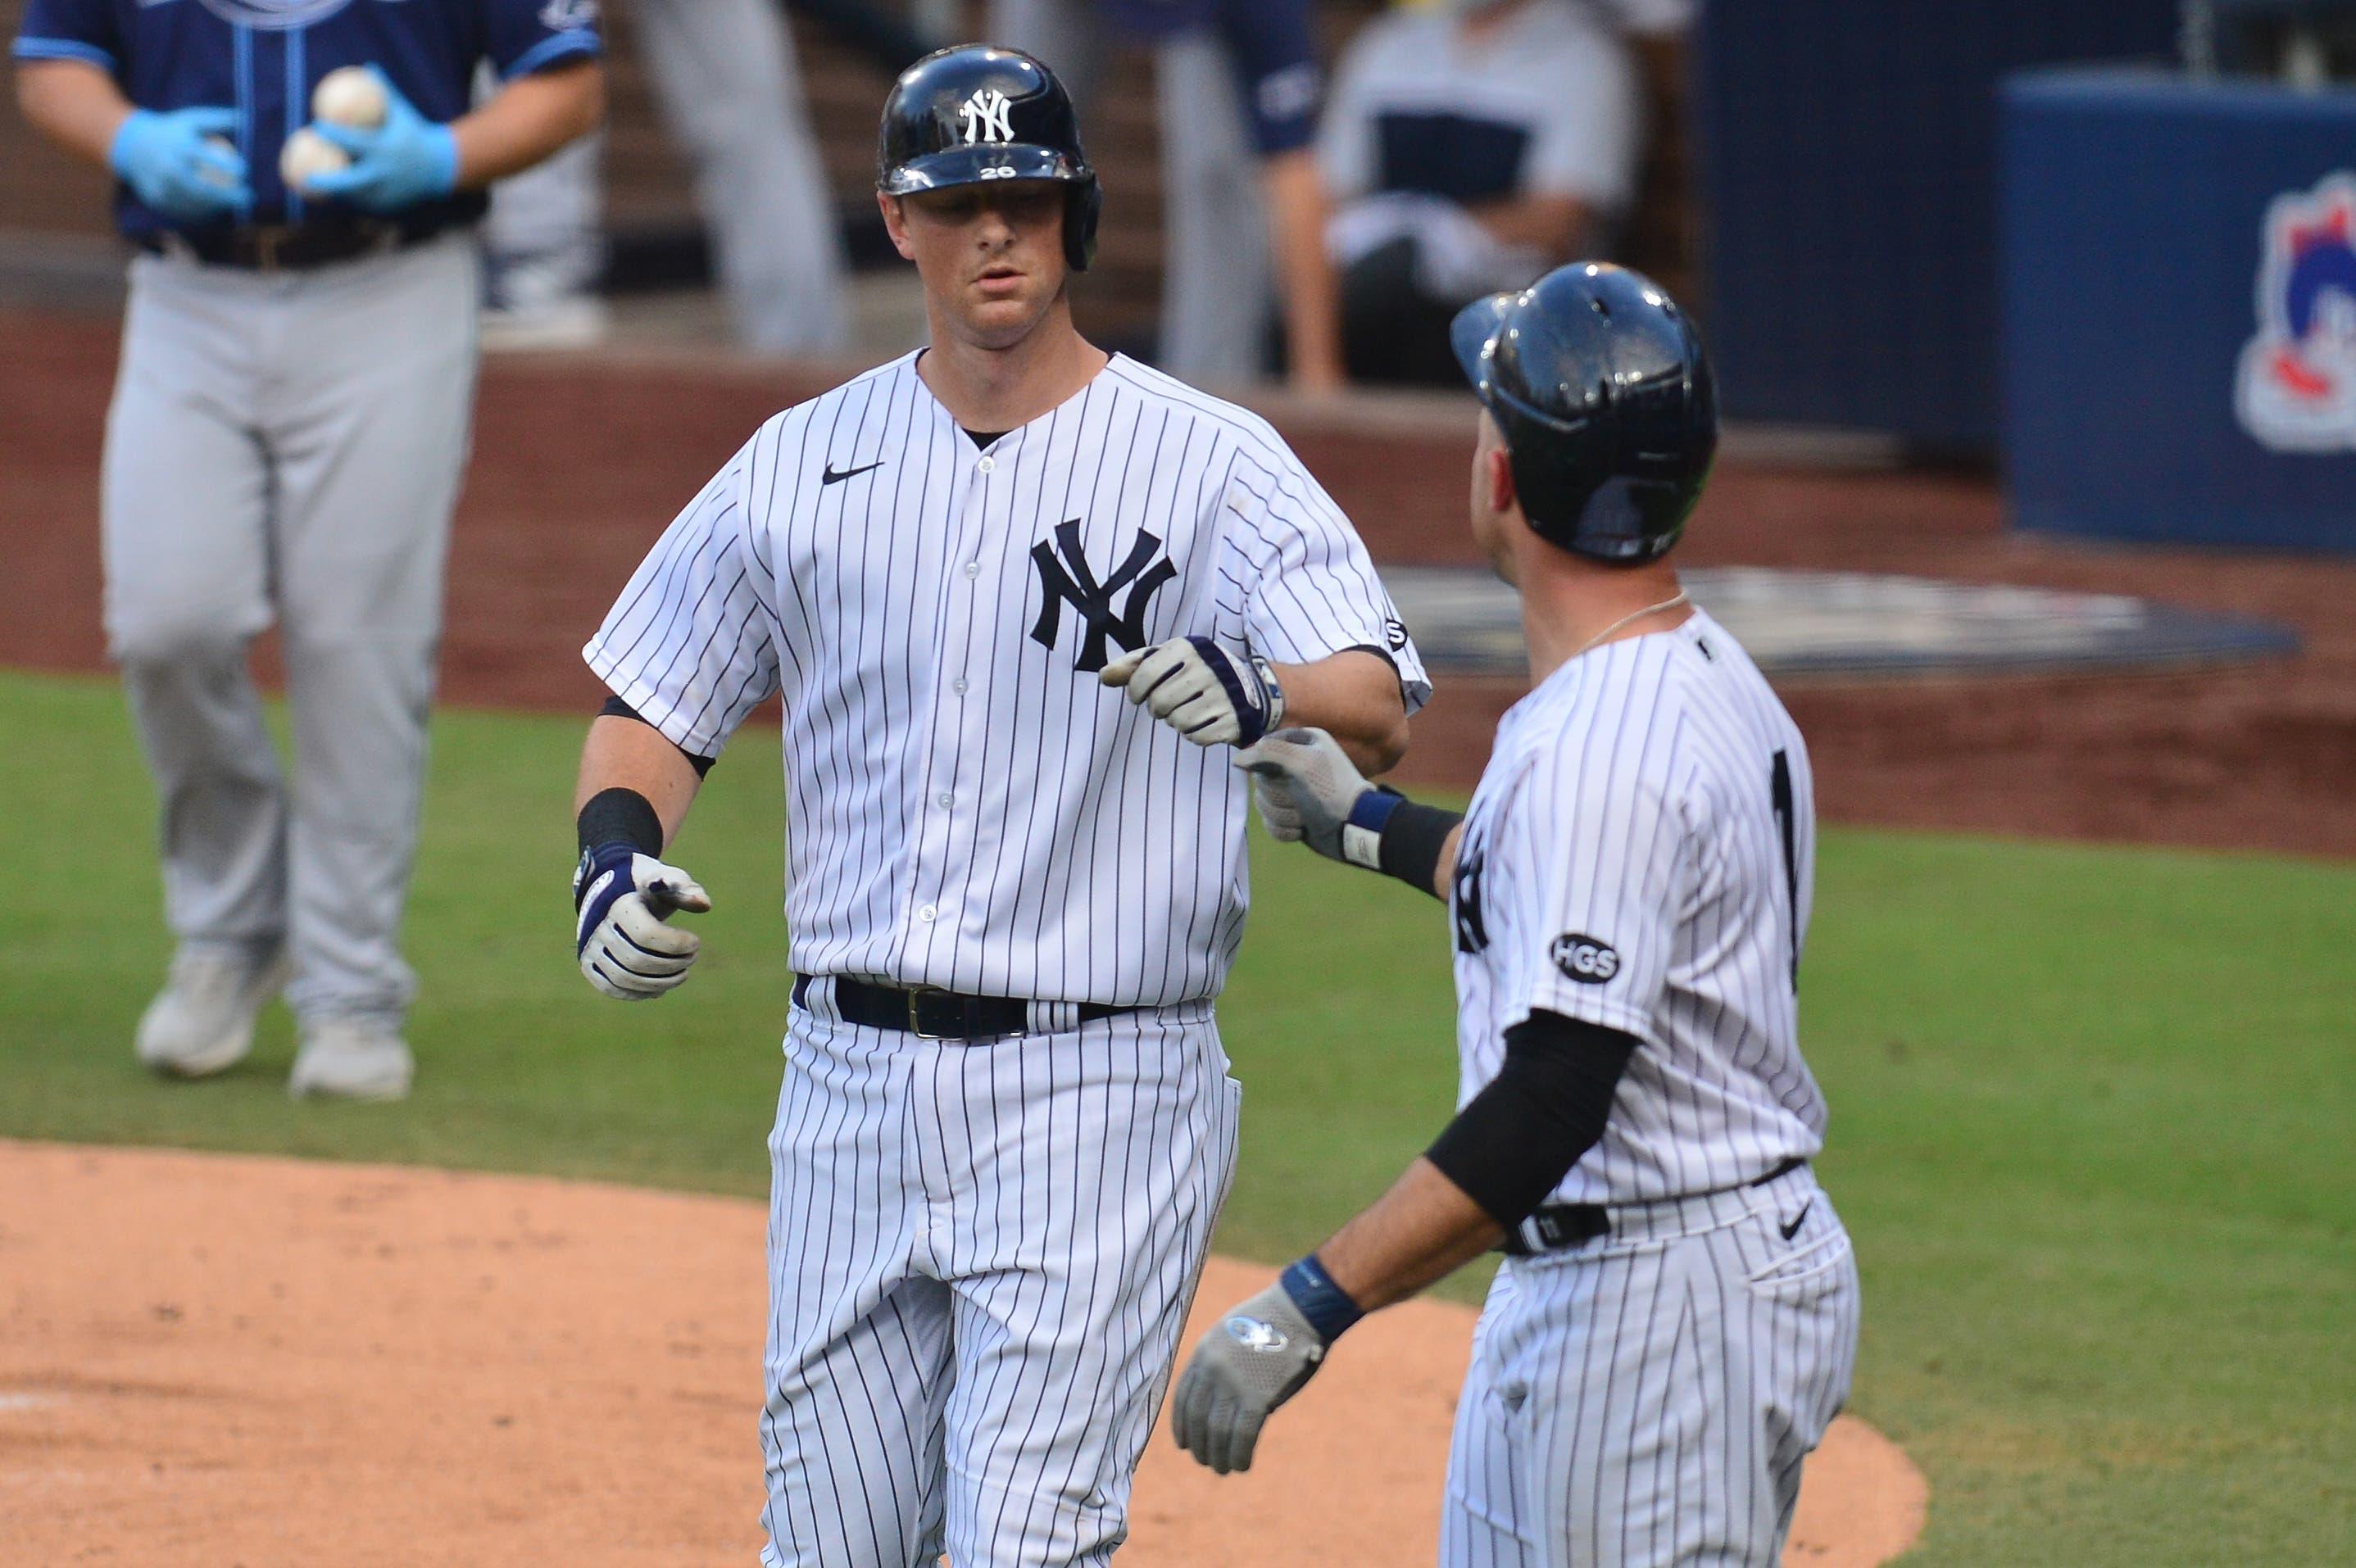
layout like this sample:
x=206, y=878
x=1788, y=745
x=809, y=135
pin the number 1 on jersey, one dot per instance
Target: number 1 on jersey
x=1779, y=786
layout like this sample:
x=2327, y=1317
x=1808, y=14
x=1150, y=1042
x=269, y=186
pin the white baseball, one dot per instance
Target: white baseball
x=306, y=156
x=351, y=96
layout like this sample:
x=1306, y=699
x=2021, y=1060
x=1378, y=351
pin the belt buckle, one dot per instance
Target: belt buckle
x=917, y=995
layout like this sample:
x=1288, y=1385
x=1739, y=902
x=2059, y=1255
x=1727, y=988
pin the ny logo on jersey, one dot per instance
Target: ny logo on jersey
x=1065, y=576
x=986, y=116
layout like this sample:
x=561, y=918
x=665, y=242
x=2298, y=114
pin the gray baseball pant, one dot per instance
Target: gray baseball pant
x=288, y=447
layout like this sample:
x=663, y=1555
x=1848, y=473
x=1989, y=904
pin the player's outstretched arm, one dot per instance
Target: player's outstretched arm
x=1217, y=696
x=1309, y=790
x=1488, y=1171
x=634, y=791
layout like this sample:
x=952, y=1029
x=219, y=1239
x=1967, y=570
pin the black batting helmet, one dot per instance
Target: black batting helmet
x=973, y=114
x=1598, y=382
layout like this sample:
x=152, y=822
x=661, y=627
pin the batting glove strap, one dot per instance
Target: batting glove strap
x=603, y=875
x=1253, y=696
x=1326, y=1306
x=1362, y=832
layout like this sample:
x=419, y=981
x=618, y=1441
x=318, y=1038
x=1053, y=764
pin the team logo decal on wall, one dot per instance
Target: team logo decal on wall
x=2297, y=387
x=986, y=116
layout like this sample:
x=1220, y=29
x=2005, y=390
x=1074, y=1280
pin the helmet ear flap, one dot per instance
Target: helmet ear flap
x=1083, y=204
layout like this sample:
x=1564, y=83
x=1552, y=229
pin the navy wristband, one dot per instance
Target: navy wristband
x=1326, y=1306
x=1362, y=835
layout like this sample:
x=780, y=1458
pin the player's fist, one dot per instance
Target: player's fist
x=622, y=900
x=1207, y=694
x=1253, y=1359
x=1307, y=787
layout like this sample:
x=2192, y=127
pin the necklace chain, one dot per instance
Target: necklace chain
x=1629, y=620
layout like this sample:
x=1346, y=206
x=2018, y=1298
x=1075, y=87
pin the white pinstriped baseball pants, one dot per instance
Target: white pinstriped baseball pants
x=980, y=1256
x=1647, y=1400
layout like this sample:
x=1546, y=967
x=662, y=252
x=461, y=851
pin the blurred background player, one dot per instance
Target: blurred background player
x=727, y=78
x=289, y=424
x=1469, y=144
x=1244, y=209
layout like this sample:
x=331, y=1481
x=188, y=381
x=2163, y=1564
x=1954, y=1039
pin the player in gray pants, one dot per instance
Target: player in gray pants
x=285, y=442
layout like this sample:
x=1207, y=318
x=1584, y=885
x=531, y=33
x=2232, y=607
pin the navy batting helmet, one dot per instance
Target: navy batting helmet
x=974, y=113
x=1599, y=385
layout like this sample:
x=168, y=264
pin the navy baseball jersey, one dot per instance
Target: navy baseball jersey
x=262, y=57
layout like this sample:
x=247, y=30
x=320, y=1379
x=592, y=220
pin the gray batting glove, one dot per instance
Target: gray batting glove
x=1306, y=786
x=1253, y=1360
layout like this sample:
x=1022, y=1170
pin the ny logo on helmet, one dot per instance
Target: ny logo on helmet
x=1065, y=576
x=987, y=116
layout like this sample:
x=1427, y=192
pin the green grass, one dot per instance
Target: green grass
x=2092, y=1108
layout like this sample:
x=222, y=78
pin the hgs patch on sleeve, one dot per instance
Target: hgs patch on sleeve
x=1583, y=958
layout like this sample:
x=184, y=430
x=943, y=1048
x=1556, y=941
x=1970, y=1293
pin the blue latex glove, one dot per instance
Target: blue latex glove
x=406, y=160
x=170, y=162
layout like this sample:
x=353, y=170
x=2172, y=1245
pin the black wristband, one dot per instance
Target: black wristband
x=1413, y=837
x=620, y=817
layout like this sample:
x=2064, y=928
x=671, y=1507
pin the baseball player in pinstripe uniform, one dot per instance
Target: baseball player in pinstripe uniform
x=1020, y=599
x=1677, y=1322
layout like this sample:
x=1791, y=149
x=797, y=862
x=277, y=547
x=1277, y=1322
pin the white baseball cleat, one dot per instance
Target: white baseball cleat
x=351, y=1059
x=201, y=1022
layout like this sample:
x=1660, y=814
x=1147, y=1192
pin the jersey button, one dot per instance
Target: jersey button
x=973, y=568
x=988, y=464
x=945, y=800
x=957, y=686
x=926, y=912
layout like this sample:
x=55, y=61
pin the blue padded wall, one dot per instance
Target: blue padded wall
x=1848, y=168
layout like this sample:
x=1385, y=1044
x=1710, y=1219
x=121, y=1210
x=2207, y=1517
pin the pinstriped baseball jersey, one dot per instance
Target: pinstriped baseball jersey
x=970, y=806
x=1641, y=855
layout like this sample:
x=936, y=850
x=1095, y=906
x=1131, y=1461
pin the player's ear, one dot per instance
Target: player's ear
x=895, y=224
x=1500, y=476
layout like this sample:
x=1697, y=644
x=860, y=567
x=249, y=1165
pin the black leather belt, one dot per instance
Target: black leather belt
x=931, y=1014
x=1560, y=1226
x=280, y=248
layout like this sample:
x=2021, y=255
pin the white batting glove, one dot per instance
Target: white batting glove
x=622, y=899
x=1307, y=787
x=1207, y=694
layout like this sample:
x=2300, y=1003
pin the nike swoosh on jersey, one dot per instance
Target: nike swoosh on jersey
x=1794, y=1227
x=834, y=474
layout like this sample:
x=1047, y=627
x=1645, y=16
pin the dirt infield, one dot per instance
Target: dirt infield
x=579, y=462
x=262, y=1362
